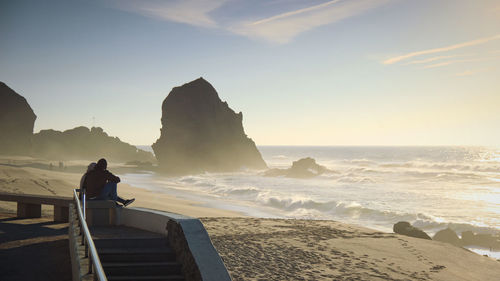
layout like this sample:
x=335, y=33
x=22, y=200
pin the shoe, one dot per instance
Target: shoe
x=128, y=202
x=118, y=205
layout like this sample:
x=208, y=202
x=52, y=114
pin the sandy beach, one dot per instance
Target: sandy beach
x=26, y=180
x=279, y=249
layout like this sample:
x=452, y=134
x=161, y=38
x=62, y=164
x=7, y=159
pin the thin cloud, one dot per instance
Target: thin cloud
x=432, y=59
x=460, y=61
x=443, y=49
x=472, y=72
x=296, y=12
x=282, y=28
x=192, y=12
x=441, y=64
x=466, y=73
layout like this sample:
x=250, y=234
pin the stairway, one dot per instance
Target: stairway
x=135, y=255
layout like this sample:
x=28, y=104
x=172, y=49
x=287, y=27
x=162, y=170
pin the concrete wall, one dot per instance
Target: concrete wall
x=188, y=238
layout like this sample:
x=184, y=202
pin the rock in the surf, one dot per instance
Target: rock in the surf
x=302, y=168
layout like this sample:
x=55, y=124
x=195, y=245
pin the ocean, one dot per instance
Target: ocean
x=430, y=187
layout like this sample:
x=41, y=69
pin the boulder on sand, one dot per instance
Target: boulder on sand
x=16, y=122
x=468, y=238
x=405, y=228
x=448, y=236
x=483, y=240
x=200, y=133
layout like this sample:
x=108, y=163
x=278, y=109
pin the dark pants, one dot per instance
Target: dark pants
x=109, y=193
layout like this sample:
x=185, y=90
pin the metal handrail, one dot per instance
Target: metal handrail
x=99, y=271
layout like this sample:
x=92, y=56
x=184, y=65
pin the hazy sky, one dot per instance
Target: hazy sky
x=303, y=72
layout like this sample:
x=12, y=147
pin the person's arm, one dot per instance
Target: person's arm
x=112, y=178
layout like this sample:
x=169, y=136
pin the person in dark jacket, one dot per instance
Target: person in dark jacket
x=83, y=188
x=101, y=184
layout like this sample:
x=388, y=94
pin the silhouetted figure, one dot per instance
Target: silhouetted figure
x=101, y=184
x=83, y=188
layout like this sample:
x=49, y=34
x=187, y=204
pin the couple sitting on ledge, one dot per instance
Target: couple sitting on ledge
x=101, y=184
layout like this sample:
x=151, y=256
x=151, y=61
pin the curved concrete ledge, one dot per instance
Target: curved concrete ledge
x=188, y=238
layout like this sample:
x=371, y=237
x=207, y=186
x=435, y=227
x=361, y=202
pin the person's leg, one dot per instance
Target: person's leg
x=121, y=200
x=104, y=193
x=109, y=193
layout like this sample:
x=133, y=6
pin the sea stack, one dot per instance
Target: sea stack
x=200, y=133
x=16, y=122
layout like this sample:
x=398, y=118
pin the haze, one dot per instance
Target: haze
x=342, y=72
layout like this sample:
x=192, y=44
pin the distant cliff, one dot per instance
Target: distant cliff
x=16, y=122
x=201, y=133
x=86, y=144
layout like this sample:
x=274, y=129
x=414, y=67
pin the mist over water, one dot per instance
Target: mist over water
x=431, y=187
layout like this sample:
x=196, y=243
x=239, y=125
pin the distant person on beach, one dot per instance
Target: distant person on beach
x=82, y=181
x=102, y=184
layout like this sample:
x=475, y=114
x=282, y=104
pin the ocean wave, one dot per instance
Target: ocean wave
x=353, y=210
x=360, y=162
x=289, y=198
x=433, y=226
x=355, y=179
x=281, y=157
x=199, y=181
x=239, y=191
x=490, y=167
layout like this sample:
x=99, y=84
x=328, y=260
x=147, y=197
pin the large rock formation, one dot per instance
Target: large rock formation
x=302, y=168
x=405, y=228
x=84, y=143
x=16, y=122
x=201, y=133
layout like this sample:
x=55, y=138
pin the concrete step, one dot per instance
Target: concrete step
x=131, y=243
x=147, y=278
x=141, y=268
x=136, y=254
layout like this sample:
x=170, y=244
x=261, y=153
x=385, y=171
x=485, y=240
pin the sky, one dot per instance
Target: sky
x=303, y=72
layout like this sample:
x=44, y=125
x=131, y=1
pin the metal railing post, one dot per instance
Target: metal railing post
x=84, y=218
x=84, y=205
x=90, y=264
